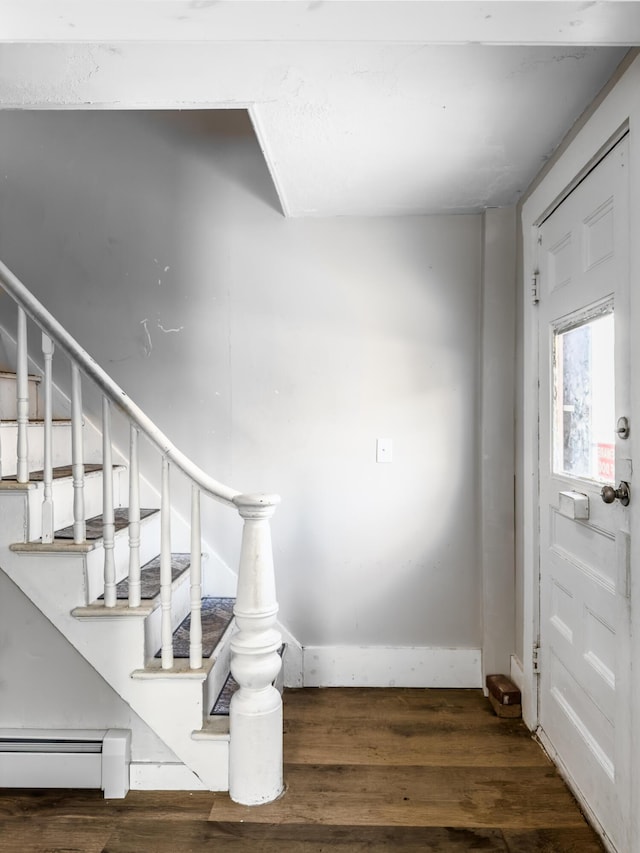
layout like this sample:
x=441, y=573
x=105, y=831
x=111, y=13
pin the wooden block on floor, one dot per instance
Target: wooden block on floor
x=506, y=711
x=504, y=696
x=503, y=690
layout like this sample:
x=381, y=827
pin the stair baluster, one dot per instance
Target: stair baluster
x=108, y=521
x=134, y=520
x=165, y=569
x=255, y=714
x=47, y=502
x=77, y=457
x=1, y=413
x=22, y=399
x=195, y=575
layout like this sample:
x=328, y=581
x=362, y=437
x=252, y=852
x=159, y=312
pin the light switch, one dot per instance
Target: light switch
x=384, y=450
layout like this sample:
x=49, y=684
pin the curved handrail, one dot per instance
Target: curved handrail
x=39, y=314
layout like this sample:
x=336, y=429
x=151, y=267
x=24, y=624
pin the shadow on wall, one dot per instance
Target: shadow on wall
x=201, y=130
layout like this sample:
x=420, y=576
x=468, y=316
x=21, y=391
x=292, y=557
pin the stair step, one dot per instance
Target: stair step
x=223, y=702
x=8, y=386
x=150, y=577
x=60, y=443
x=61, y=472
x=217, y=614
x=94, y=525
x=11, y=374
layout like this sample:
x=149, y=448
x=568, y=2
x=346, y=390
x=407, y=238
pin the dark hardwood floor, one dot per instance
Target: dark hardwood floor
x=366, y=770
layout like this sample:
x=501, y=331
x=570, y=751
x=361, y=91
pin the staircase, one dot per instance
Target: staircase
x=100, y=567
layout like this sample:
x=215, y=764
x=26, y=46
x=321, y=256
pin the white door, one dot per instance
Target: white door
x=584, y=694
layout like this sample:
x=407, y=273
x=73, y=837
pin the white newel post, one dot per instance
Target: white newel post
x=255, y=715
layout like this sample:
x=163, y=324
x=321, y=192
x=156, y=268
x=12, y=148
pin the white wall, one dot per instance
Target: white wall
x=277, y=351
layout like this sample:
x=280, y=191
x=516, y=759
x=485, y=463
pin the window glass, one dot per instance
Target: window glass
x=584, y=400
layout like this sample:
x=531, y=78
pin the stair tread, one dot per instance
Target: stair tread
x=10, y=374
x=223, y=702
x=94, y=525
x=59, y=473
x=35, y=421
x=217, y=614
x=150, y=577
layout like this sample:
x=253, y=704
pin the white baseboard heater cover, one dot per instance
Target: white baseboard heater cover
x=37, y=758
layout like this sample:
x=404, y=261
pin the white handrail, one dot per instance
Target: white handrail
x=47, y=323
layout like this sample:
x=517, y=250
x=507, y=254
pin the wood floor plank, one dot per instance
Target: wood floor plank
x=414, y=796
x=424, y=742
x=67, y=835
x=556, y=840
x=375, y=703
x=67, y=803
x=266, y=838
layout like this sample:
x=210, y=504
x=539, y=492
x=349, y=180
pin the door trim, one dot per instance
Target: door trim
x=619, y=111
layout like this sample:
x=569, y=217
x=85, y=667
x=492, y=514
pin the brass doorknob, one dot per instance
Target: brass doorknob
x=622, y=494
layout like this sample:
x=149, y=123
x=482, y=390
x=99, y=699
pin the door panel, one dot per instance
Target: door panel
x=584, y=542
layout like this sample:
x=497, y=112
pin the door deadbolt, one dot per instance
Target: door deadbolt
x=622, y=427
x=622, y=494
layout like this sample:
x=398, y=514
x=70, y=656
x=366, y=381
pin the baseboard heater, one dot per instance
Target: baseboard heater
x=36, y=758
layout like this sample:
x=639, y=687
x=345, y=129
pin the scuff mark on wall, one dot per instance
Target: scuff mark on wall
x=148, y=345
x=167, y=331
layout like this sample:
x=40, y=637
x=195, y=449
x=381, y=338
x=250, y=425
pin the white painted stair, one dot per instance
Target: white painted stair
x=73, y=536
x=64, y=580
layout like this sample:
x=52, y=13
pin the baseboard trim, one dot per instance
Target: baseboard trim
x=517, y=673
x=147, y=776
x=382, y=666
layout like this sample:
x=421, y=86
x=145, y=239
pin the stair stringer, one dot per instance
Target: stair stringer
x=170, y=703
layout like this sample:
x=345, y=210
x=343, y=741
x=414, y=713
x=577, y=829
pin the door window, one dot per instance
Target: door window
x=584, y=398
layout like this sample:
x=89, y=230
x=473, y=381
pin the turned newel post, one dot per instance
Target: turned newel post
x=255, y=715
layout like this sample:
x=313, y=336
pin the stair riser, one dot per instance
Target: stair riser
x=61, y=578
x=180, y=605
x=60, y=447
x=63, y=500
x=149, y=547
x=123, y=638
x=8, y=405
x=13, y=512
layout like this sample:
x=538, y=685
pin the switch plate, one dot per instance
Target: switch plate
x=384, y=450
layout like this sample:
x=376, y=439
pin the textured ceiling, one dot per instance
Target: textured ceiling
x=398, y=130
x=365, y=108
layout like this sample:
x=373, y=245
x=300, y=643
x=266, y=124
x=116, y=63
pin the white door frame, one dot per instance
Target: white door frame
x=618, y=111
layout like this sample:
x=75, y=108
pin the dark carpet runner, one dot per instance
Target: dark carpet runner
x=217, y=613
x=150, y=577
x=94, y=525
